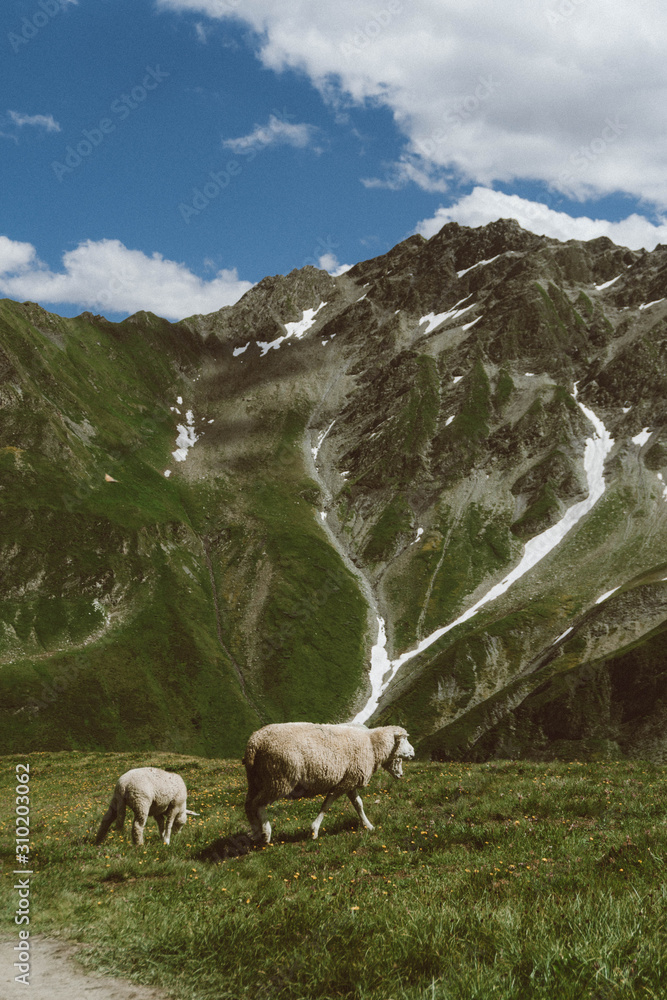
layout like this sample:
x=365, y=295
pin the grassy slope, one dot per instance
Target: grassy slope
x=110, y=631
x=114, y=645
x=509, y=879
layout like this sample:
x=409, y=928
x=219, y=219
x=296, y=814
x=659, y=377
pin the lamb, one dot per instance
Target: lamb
x=148, y=791
x=296, y=759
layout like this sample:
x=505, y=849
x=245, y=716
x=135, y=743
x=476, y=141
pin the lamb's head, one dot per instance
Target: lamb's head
x=182, y=818
x=402, y=750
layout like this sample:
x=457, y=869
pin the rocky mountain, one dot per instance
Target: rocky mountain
x=430, y=491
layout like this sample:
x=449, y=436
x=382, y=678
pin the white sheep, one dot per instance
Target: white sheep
x=148, y=791
x=302, y=759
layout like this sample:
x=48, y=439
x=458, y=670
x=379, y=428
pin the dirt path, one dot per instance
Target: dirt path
x=56, y=975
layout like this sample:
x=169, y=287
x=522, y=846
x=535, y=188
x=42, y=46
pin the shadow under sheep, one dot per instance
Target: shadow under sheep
x=236, y=845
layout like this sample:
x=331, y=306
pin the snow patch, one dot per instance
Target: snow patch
x=642, y=437
x=380, y=674
x=435, y=319
x=647, y=305
x=293, y=330
x=479, y=263
x=449, y=420
x=304, y=324
x=320, y=438
x=606, y=284
x=457, y=378
x=167, y=473
x=604, y=597
x=566, y=632
x=187, y=437
x=240, y=350
x=420, y=532
x=466, y=326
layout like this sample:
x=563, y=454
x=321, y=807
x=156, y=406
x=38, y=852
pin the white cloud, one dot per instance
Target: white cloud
x=15, y=257
x=41, y=121
x=106, y=275
x=571, y=93
x=278, y=132
x=329, y=262
x=410, y=169
x=200, y=32
x=483, y=205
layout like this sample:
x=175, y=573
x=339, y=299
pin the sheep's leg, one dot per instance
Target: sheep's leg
x=265, y=825
x=159, y=819
x=256, y=813
x=171, y=815
x=326, y=805
x=138, y=827
x=107, y=820
x=355, y=799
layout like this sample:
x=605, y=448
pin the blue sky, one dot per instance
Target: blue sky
x=166, y=154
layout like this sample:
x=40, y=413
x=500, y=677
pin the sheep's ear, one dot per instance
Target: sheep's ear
x=189, y=812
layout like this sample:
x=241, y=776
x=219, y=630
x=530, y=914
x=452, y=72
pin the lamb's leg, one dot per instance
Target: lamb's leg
x=326, y=805
x=159, y=819
x=107, y=820
x=355, y=799
x=120, y=819
x=171, y=816
x=138, y=825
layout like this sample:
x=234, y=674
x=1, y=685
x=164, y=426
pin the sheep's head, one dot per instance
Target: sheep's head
x=402, y=751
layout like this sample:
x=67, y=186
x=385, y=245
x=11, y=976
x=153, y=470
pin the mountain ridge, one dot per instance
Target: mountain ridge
x=380, y=445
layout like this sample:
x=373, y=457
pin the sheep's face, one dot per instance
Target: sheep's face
x=180, y=821
x=402, y=751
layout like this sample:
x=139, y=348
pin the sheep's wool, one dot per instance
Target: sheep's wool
x=395, y=767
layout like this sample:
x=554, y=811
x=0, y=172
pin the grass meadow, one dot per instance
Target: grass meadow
x=508, y=879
